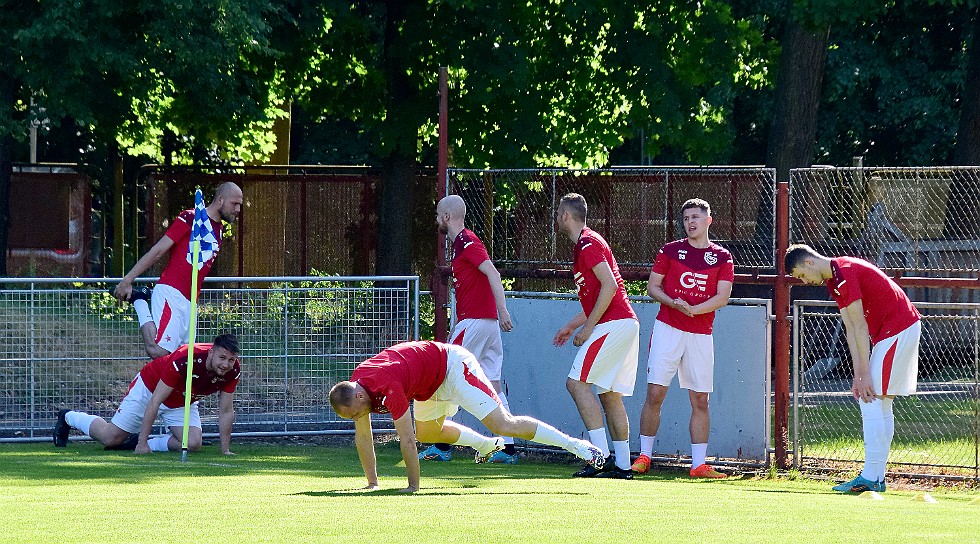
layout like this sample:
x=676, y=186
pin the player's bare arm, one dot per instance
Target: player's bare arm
x=719, y=300
x=503, y=316
x=226, y=420
x=568, y=330
x=125, y=287
x=859, y=344
x=364, y=441
x=410, y=453
x=160, y=394
x=606, y=293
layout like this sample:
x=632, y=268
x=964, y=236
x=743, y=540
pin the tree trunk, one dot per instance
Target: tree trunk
x=964, y=197
x=400, y=166
x=793, y=129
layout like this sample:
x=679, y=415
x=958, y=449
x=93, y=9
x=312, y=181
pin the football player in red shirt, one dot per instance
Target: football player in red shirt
x=166, y=325
x=883, y=331
x=481, y=312
x=691, y=278
x=608, y=340
x=440, y=378
x=158, y=389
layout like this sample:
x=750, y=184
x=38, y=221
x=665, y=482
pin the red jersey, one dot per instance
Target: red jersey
x=887, y=309
x=591, y=250
x=172, y=369
x=177, y=273
x=691, y=274
x=474, y=298
x=401, y=373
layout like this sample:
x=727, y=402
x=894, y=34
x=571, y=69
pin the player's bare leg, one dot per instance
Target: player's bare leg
x=649, y=425
x=149, y=333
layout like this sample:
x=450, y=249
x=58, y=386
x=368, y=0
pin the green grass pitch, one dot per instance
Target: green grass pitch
x=271, y=493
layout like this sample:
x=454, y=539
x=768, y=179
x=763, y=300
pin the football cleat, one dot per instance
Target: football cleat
x=498, y=444
x=503, y=457
x=705, y=471
x=617, y=473
x=860, y=485
x=61, y=430
x=126, y=445
x=596, y=466
x=139, y=292
x=642, y=464
x=433, y=453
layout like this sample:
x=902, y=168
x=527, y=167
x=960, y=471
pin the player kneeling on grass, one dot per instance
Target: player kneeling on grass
x=440, y=378
x=158, y=389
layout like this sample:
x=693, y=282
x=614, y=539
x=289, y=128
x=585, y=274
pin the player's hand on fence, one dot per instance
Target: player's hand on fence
x=562, y=336
x=504, y=318
x=583, y=335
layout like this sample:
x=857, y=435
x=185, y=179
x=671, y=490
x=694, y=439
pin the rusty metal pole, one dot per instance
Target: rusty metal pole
x=781, y=347
x=440, y=290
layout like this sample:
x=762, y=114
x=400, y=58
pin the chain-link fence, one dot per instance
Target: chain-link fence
x=636, y=210
x=937, y=430
x=920, y=220
x=68, y=344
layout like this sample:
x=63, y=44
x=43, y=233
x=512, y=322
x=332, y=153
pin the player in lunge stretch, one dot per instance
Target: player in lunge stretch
x=883, y=331
x=608, y=341
x=158, y=389
x=481, y=312
x=691, y=278
x=167, y=324
x=440, y=378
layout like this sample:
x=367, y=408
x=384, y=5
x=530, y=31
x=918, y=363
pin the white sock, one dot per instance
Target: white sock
x=80, y=420
x=875, y=448
x=503, y=402
x=143, y=313
x=550, y=436
x=622, y=449
x=598, y=439
x=646, y=444
x=160, y=442
x=475, y=440
x=889, y=418
x=698, y=453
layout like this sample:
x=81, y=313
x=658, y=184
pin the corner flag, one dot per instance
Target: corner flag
x=200, y=248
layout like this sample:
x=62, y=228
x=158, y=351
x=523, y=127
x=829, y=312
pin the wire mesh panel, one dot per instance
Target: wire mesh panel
x=67, y=344
x=916, y=219
x=936, y=430
x=635, y=209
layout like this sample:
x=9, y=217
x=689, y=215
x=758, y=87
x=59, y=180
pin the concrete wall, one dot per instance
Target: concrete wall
x=535, y=372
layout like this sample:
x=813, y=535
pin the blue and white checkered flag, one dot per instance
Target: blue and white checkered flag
x=201, y=230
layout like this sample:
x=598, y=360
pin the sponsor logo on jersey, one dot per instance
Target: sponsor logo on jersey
x=681, y=254
x=692, y=280
x=710, y=257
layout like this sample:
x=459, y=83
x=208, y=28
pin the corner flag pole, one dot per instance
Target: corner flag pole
x=200, y=220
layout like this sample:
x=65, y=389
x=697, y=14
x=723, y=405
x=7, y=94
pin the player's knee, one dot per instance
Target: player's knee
x=194, y=443
x=656, y=394
x=699, y=402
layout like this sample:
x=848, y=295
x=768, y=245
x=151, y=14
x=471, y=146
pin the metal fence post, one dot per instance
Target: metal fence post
x=782, y=340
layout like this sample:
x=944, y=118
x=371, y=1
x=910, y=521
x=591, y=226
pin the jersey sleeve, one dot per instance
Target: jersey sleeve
x=475, y=254
x=591, y=254
x=847, y=290
x=395, y=401
x=181, y=226
x=661, y=264
x=727, y=272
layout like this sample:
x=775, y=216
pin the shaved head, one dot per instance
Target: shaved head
x=453, y=205
x=227, y=201
x=228, y=190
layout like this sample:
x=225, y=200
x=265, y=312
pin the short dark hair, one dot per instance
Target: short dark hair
x=696, y=203
x=341, y=394
x=796, y=254
x=227, y=341
x=576, y=205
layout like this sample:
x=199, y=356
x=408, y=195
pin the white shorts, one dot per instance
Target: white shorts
x=172, y=314
x=465, y=386
x=129, y=415
x=691, y=356
x=608, y=359
x=895, y=362
x=481, y=337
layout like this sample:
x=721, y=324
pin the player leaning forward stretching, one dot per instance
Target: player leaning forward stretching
x=440, y=378
x=883, y=331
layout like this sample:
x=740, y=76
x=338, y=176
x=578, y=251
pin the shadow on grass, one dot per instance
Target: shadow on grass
x=471, y=490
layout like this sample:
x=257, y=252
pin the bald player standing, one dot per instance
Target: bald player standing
x=481, y=311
